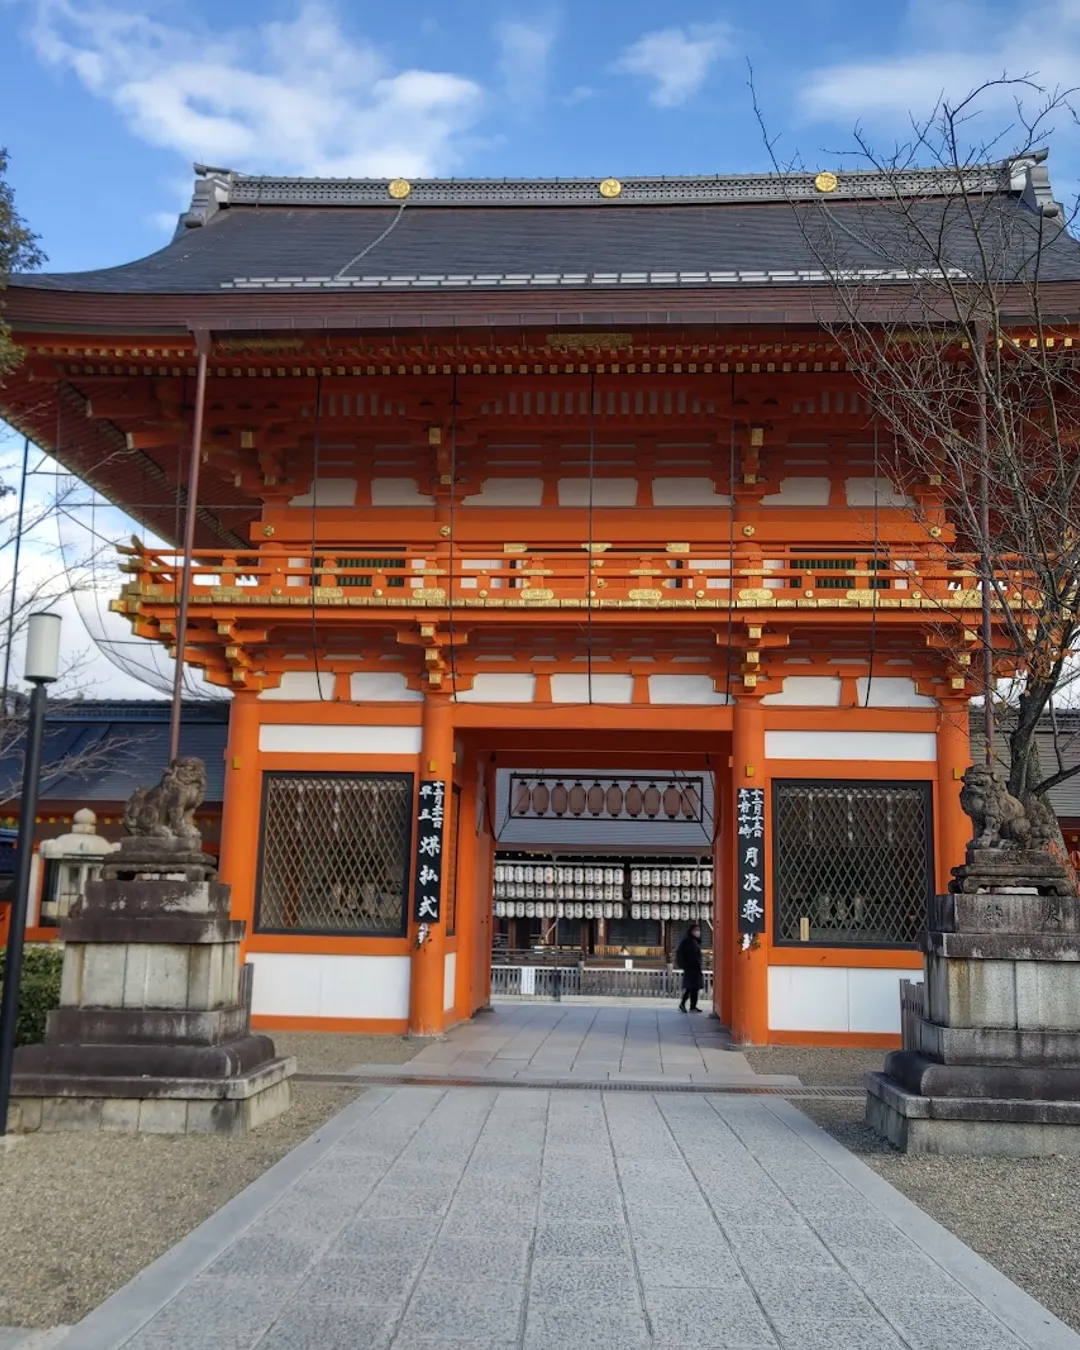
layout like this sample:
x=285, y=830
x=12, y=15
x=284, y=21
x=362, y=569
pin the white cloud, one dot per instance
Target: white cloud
x=579, y=94
x=676, y=60
x=949, y=48
x=291, y=97
x=524, y=49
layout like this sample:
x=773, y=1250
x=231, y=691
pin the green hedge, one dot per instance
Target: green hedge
x=39, y=991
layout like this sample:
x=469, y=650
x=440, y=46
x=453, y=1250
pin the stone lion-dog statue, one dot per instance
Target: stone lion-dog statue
x=168, y=810
x=999, y=818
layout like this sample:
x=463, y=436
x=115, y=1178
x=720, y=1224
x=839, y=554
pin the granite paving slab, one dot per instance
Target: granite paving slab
x=504, y=1217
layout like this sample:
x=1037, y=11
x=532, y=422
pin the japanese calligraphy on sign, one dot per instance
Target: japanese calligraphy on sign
x=430, y=818
x=750, y=852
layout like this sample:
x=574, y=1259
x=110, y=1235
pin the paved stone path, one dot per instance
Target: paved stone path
x=551, y=1041
x=490, y=1218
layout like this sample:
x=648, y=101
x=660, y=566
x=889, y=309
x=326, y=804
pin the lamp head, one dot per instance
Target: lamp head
x=42, y=660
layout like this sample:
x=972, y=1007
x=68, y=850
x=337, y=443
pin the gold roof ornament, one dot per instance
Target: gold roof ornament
x=399, y=189
x=826, y=182
x=610, y=187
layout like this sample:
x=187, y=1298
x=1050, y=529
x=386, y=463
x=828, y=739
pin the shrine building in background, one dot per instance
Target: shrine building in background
x=543, y=542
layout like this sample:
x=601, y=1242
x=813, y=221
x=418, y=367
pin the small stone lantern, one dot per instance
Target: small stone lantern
x=77, y=858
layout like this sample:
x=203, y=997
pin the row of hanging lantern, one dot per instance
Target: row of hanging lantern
x=671, y=885
x=555, y=909
x=527, y=881
x=612, y=798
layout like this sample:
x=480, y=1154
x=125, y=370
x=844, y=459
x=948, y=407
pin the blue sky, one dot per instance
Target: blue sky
x=104, y=106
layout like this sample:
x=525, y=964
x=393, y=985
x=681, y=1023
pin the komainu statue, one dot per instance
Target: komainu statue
x=1043, y=822
x=168, y=810
x=999, y=818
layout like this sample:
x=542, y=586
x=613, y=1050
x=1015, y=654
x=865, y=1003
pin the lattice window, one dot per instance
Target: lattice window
x=821, y=567
x=360, y=572
x=335, y=853
x=852, y=862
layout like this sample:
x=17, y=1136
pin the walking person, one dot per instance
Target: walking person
x=688, y=959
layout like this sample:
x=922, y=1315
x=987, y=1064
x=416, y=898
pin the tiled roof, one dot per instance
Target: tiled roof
x=248, y=234
x=130, y=742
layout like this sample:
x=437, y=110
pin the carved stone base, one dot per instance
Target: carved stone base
x=967, y=1127
x=60, y=1102
x=154, y=1028
x=1012, y=869
x=140, y=858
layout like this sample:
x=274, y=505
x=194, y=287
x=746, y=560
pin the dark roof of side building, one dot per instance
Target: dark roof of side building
x=306, y=235
x=127, y=746
x=1065, y=798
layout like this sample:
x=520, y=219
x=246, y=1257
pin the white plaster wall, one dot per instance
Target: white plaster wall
x=799, y=492
x=300, y=739
x=328, y=492
x=382, y=686
x=449, y=980
x=807, y=691
x=482, y=565
x=687, y=492
x=715, y=565
x=497, y=688
x=606, y=492
x=293, y=984
x=851, y=745
x=301, y=686
x=860, y=492
x=835, y=998
x=507, y=492
x=893, y=691
x=398, y=492
x=697, y=689
x=605, y=688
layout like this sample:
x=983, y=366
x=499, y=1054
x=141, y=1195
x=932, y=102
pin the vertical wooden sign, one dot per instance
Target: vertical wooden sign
x=430, y=833
x=750, y=852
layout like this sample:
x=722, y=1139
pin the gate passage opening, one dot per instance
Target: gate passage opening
x=599, y=874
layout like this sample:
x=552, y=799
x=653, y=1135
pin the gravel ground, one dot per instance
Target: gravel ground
x=827, y=1068
x=318, y=1053
x=1020, y=1214
x=83, y=1213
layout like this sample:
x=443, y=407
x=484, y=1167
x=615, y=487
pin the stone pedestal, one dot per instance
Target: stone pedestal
x=994, y=1067
x=154, y=1029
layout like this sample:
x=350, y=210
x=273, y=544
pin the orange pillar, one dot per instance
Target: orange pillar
x=241, y=808
x=750, y=991
x=953, y=757
x=468, y=909
x=426, y=1014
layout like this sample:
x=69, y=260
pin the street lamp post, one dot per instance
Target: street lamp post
x=41, y=669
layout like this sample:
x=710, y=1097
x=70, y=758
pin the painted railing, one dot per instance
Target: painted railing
x=556, y=982
x=521, y=577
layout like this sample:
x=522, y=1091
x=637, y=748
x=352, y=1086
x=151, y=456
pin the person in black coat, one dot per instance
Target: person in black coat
x=688, y=959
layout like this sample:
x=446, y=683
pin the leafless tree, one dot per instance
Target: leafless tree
x=939, y=291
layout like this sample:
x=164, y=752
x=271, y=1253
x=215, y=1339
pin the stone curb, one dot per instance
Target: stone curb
x=1032, y=1324
x=114, y=1322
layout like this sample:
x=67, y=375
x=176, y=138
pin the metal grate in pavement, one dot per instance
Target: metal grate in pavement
x=566, y=1085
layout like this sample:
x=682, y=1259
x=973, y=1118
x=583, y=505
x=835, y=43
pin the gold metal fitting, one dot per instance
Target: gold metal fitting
x=748, y=530
x=610, y=187
x=444, y=530
x=399, y=189
x=268, y=531
x=826, y=182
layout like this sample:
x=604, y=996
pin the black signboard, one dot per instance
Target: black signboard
x=430, y=821
x=750, y=851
